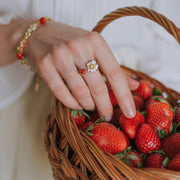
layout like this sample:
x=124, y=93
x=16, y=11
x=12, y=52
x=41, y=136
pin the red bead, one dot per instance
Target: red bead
x=19, y=55
x=82, y=71
x=43, y=20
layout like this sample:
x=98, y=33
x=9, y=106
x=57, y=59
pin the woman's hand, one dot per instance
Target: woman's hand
x=58, y=50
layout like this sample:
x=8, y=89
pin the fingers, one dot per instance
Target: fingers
x=65, y=65
x=94, y=81
x=100, y=94
x=133, y=84
x=117, y=79
x=49, y=73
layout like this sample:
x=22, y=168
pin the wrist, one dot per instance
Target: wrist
x=11, y=35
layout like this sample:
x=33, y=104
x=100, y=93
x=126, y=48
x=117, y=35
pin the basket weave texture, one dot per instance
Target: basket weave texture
x=73, y=155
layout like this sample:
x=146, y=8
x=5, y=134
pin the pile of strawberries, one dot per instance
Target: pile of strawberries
x=150, y=139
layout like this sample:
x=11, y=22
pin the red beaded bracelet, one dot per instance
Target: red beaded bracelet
x=22, y=44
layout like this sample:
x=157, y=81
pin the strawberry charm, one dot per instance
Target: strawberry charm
x=146, y=139
x=107, y=137
x=130, y=125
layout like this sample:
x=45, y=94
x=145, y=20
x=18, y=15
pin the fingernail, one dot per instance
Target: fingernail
x=108, y=118
x=130, y=113
x=80, y=108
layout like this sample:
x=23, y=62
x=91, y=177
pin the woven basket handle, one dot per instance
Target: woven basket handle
x=139, y=11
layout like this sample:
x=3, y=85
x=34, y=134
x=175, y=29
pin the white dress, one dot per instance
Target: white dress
x=22, y=111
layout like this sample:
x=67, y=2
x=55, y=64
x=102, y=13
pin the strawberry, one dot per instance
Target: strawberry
x=94, y=117
x=138, y=103
x=152, y=99
x=175, y=163
x=146, y=139
x=171, y=145
x=144, y=90
x=107, y=137
x=113, y=98
x=130, y=125
x=155, y=160
x=85, y=126
x=115, y=118
x=130, y=157
x=177, y=116
x=164, y=102
x=78, y=116
x=158, y=119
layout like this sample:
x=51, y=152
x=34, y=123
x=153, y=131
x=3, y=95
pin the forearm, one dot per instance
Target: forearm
x=10, y=36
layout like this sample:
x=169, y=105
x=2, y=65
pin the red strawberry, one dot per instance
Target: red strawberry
x=152, y=99
x=78, y=116
x=158, y=119
x=107, y=137
x=130, y=157
x=139, y=103
x=175, y=163
x=115, y=118
x=165, y=104
x=130, y=125
x=146, y=139
x=85, y=126
x=113, y=98
x=154, y=160
x=177, y=116
x=171, y=145
x=144, y=90
x=134, y=159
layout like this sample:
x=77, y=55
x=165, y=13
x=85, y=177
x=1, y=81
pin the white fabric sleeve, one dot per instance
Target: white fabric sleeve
x=5, y=18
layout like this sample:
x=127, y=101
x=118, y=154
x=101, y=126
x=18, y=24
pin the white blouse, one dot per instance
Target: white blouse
x=141, y=48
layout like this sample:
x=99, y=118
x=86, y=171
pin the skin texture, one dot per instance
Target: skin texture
x=56, y=51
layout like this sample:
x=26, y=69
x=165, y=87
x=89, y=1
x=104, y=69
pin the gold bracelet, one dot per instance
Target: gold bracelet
x=22, y=44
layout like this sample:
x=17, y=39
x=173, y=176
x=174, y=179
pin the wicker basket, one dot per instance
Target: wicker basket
x=73, y=155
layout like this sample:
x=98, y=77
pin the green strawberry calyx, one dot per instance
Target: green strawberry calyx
x=160, y=99
x=100, y=120
x=161, y=133
x=173, y=128
x=126, y=157
x=74, y=113
x=156, y=92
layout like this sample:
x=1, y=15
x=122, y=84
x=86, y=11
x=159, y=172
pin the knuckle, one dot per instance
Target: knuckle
x=81, y=91
x=75, y=45
x=58, y=51
x=115, y=74
x=99, y=89
x=94, y=36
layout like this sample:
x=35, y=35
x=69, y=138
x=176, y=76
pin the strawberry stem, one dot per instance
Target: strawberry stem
x=156, y=92
x=92, y=126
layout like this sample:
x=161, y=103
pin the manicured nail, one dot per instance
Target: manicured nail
x=130, y=113
x=108, y=118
